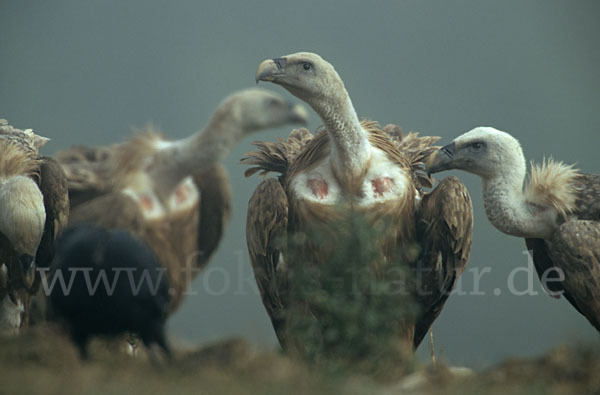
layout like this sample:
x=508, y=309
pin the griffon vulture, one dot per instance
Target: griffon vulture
x=34, y=208
x=354, y=166
x=173, y=195
x=557, y=211
x=129, y=288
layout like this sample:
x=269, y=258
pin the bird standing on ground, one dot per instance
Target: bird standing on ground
x=173, y=195
x=34, y=209
x=119, y=288
x=354, y=168
x=557, y=211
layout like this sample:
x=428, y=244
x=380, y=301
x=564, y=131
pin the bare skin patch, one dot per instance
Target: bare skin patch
x=318, y=187
x=382, y=185
x=146, y=202
x=180, y=194
x=184, y=197
x=384, y=180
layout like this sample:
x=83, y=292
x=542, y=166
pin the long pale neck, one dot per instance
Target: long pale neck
x=209, y=146
x=192, y=154
x=351, y=147
x=509, y=212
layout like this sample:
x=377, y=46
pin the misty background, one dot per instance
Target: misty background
x=86, y=72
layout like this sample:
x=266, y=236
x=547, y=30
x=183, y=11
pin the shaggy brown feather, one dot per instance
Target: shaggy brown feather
x=273, y=213
x=17, y=160
x=130, y=157
x=303, y=151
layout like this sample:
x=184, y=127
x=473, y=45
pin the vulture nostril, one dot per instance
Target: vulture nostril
x=280, y=62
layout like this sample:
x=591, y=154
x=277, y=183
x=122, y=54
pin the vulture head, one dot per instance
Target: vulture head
x=484, y=151
x=257, y=109
x=524, y=209
x=305, y=75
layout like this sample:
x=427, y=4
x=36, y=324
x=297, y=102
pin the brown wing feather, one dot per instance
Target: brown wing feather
x=540, y=254
x=53, y=185
x=266, y=231
x=575, y=249
x=588, y=197
x=588, y=208
x=444, y=232
x=88, y=171
x=416, y=150
x=276, y=156
x=112, y=211
x=215, y=209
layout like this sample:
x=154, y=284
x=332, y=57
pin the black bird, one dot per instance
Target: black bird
x=118, y=287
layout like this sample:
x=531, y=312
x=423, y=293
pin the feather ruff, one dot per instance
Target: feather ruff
x=553, y=184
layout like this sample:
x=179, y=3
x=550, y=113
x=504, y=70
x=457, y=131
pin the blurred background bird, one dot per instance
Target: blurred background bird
x=119, y=287
x=173, y=195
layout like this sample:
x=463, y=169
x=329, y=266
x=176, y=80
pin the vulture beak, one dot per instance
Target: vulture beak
x=441, y=159
x=270, y=69
x=27, y=270
x=298, y=114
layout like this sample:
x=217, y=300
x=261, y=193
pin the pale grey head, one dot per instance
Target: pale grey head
x=257, y=109
x=484, y=151
x=306, y=75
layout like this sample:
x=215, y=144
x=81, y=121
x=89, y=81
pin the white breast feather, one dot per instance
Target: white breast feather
x=380, y=167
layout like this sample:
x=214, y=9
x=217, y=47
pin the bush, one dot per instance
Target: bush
x=350, y=311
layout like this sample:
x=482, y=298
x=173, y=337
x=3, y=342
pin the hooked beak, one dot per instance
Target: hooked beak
x=441, y=159
x=270, y=69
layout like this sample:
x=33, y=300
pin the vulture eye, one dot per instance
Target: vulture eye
x=307, y=66
x=476, y=146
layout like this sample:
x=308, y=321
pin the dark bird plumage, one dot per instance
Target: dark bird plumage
x=116, y=284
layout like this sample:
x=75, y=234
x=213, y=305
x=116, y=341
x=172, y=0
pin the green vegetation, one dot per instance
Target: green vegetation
x=350, y=311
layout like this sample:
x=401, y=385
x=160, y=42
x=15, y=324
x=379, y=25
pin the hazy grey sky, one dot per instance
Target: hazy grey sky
x=85, y=72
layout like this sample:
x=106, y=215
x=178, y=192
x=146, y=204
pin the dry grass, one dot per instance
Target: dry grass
x=43, y=361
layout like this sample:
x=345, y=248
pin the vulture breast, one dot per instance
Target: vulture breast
x=184, y=198
x=383, y=181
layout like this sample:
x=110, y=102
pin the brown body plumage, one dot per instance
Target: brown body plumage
x=434, y=239
x=574, y=249
x=346, y=166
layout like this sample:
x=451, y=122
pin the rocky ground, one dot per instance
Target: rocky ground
x=43, y=361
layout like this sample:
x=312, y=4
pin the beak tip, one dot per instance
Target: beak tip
x=267, y=70
x=440, y=160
